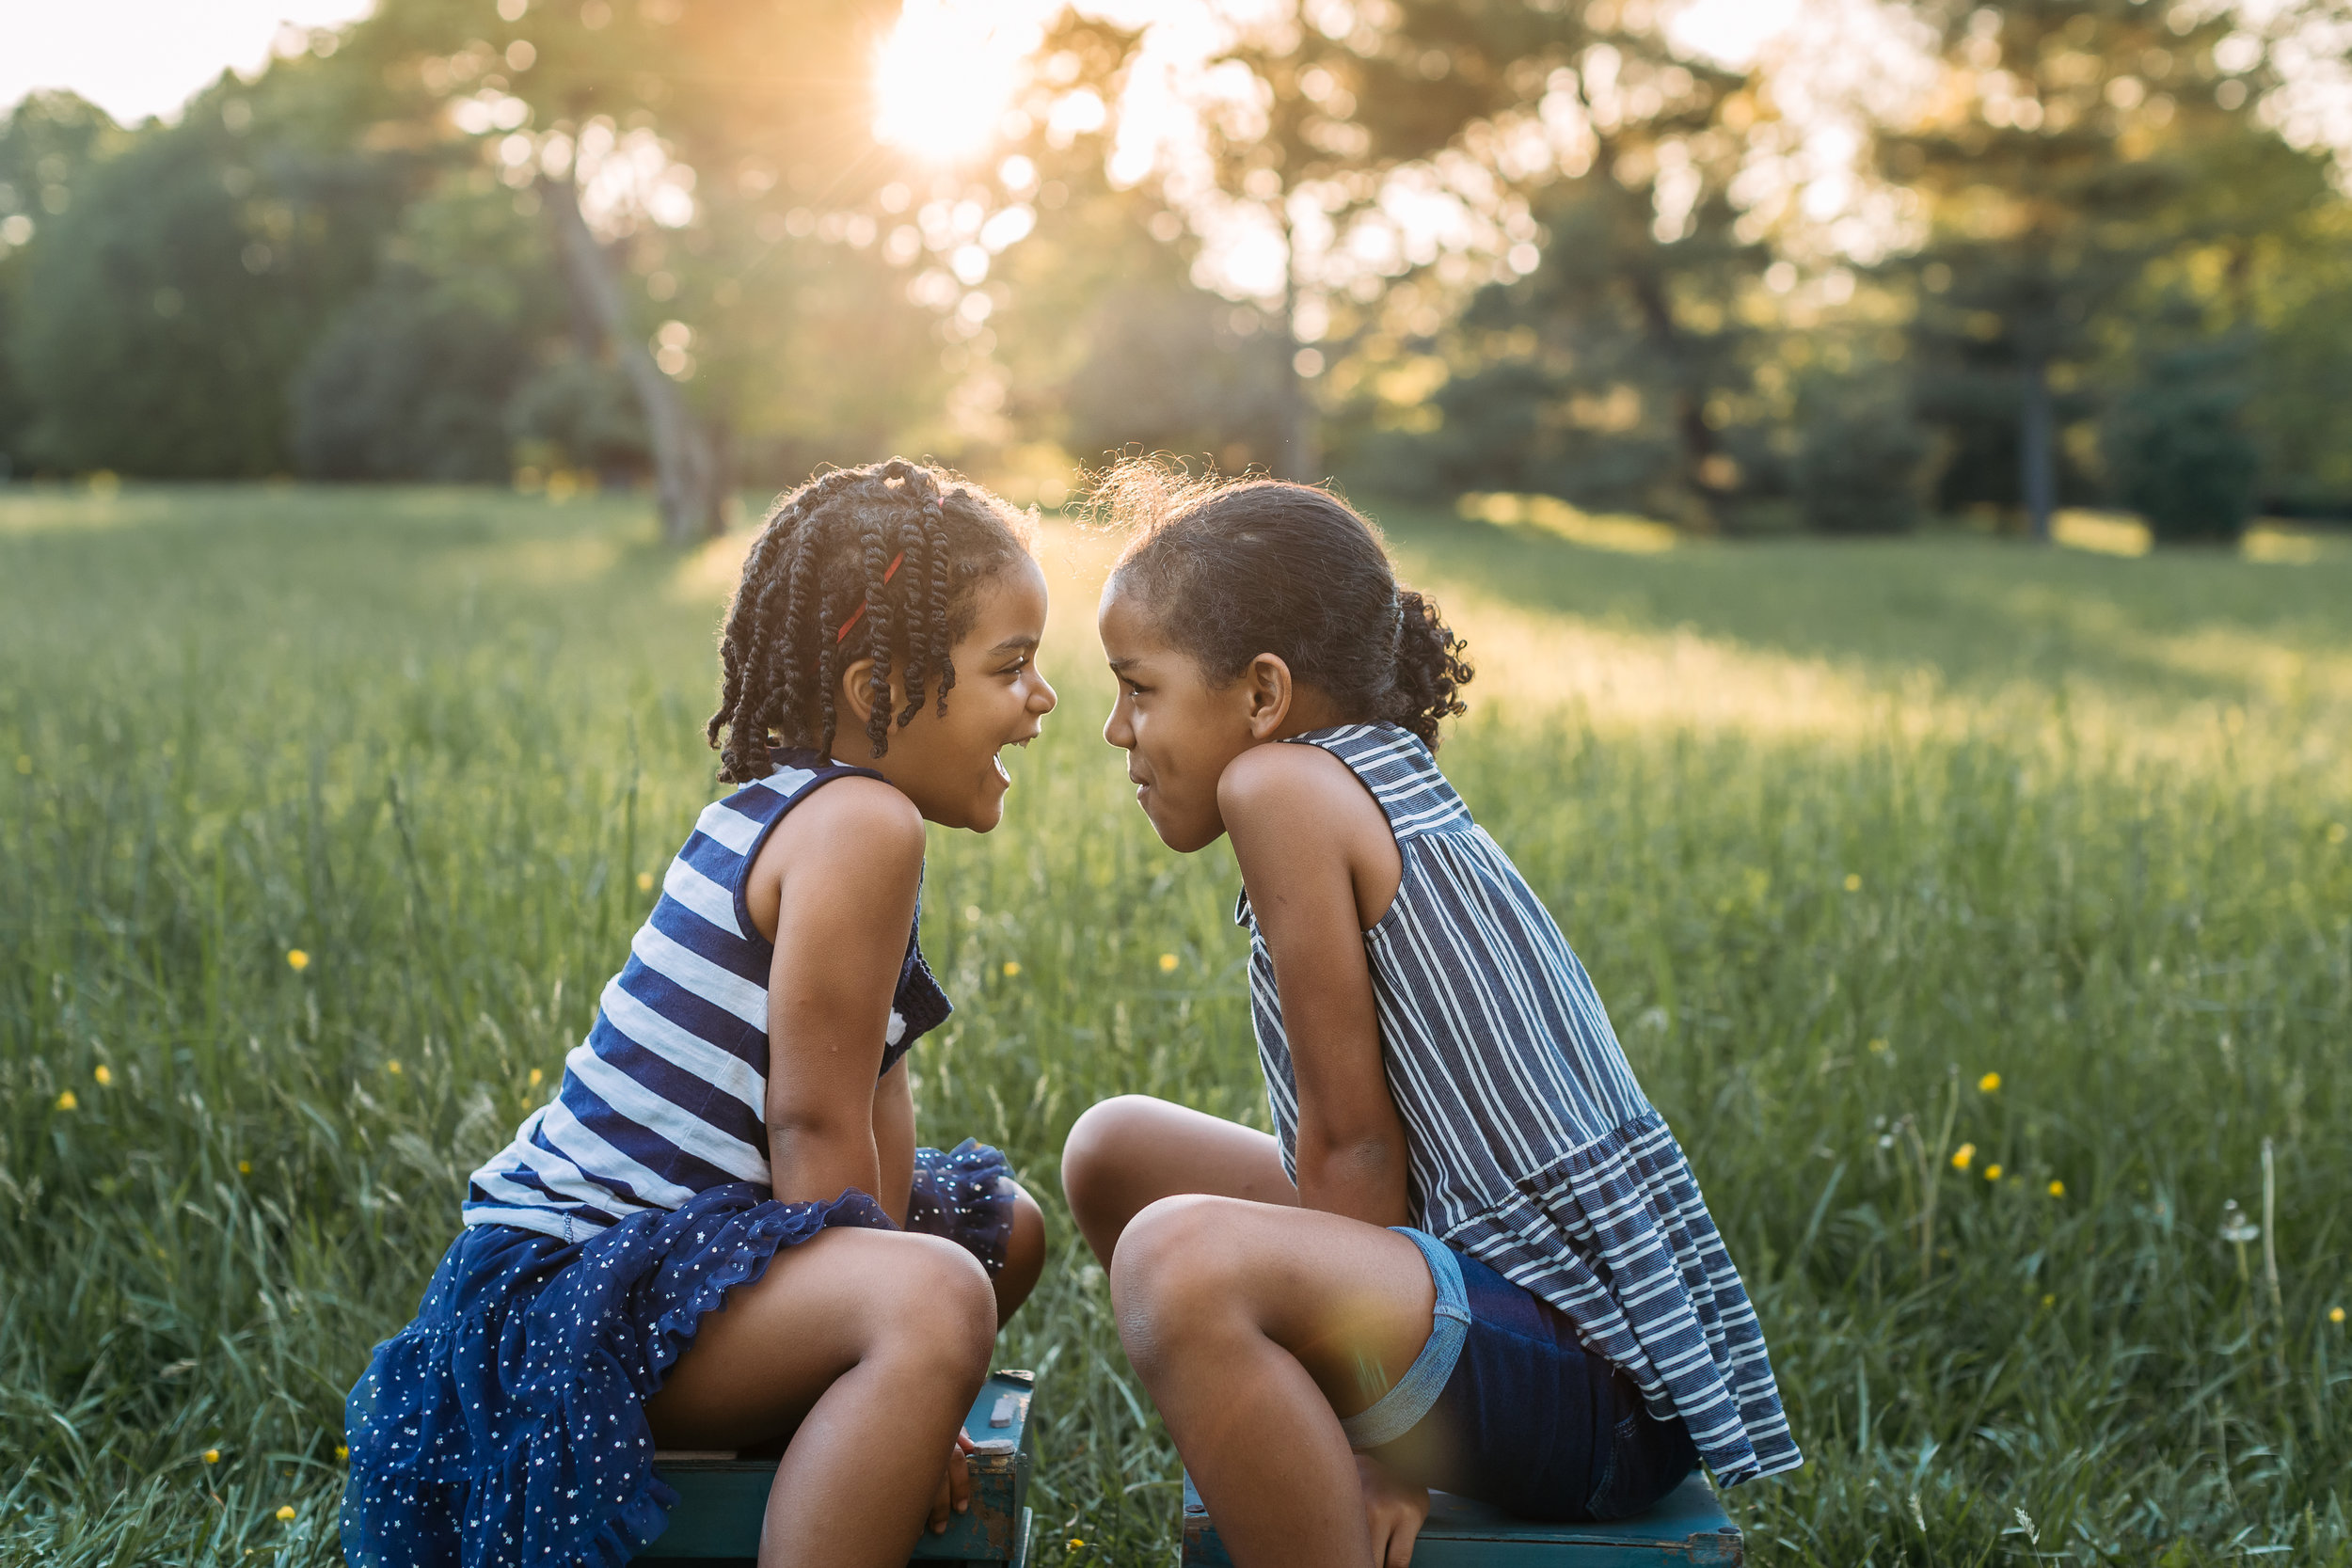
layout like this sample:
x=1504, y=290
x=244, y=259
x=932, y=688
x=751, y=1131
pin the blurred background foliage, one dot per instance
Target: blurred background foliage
x=2011, y=258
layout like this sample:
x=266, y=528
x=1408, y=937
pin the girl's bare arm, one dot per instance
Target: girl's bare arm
x=1321, y=864
x=841, y=877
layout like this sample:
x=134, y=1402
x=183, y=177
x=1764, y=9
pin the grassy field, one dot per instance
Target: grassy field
x=1843, y=831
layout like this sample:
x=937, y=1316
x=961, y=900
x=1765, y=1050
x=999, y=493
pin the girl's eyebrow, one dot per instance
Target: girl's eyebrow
x=1011, y=644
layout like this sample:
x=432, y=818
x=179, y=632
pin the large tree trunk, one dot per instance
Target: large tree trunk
x=2037, y=450
x=689, y=481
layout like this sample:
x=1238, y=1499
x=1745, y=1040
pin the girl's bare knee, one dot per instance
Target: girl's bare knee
x=1090, y=1155
x=1177, y=1275
x=937, y=1304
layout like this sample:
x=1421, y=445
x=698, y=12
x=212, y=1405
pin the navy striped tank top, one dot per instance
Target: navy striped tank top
x=1531, y=1146
x=668, y=1094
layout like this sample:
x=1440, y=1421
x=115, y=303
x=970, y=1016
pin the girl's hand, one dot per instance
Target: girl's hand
x=1394, y=1508
x=955, y=1487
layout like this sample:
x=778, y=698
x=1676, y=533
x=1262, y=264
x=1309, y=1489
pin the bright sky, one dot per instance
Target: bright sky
x=140, y=57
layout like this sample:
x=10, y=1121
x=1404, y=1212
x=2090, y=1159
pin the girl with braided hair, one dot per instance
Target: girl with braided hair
x=720, y=1233
x=1472, y=1256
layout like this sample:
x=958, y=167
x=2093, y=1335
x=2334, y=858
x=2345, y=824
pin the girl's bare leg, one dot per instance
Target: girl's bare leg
x=1126, y=1153
x=868, y=1346
x=1025, y=1257
x=1256, y=1327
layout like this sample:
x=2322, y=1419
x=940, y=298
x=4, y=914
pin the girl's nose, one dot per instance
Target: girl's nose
x=1042, y=701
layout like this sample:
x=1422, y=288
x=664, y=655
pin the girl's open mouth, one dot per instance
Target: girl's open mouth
x=997, y=757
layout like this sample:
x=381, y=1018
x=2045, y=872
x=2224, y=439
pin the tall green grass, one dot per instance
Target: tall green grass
x=1839, y=829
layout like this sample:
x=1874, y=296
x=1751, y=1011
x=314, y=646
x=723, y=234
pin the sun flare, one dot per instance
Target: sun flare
x=946, y=74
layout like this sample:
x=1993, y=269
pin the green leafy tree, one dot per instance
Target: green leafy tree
x=1332, y=104
x=47, y=142
x=185, y=274
x=1619, y=372
x=2054, y=161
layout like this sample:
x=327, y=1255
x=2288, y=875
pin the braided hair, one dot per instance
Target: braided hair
x=1231, y=569
x=893, y=553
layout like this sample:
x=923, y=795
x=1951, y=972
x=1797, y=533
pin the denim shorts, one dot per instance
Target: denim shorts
x=1506, y=1405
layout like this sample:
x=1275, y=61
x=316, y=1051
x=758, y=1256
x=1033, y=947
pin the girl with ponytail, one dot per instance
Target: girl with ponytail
x=1471, y=1256
x=719, y=1232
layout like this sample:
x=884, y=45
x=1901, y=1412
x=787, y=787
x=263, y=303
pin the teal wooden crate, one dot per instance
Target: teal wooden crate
x=1690, y=1527
x=724, y=1497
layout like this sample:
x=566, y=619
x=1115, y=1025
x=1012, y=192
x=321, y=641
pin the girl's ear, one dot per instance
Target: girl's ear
x=857, y=693
x=1267, y=691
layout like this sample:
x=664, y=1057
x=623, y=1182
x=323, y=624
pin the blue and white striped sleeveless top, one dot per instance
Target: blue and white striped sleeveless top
x=667, y=1095
x=1531, y=1148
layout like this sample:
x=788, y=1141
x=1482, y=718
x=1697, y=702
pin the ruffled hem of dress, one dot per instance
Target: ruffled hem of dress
x=551, y=1408
x=791, y=1225
x=1616, y=1235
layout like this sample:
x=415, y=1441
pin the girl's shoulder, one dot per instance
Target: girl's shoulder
x=1401, y=773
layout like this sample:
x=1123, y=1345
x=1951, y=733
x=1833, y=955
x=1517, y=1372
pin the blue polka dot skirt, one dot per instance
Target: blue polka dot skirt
x=506, y=1424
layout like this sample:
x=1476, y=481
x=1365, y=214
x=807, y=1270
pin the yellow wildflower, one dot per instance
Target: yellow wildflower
x=1993, y=1171
x=537, y=1077
x=341, y=1451
x=2048, y=1302
x=285, y=1510
x=1853, y=882
x=1013, y=967
x=212, y=1456
x=67, y=1103
x=1167, y=964
x=2335, y=1314
x=104, y=1075
x=645, y=881
x=1074, y=1545
x=2057, y=1188
x=245, y=1167
x=296, y=960
x=2335, y=830
x=1989, y=1084
x=1878, y=1048
x=1962, y=1156
x=391, y=1067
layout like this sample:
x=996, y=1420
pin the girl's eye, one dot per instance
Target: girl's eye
x=1016, y=666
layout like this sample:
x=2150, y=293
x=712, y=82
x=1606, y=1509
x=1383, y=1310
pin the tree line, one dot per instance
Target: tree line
x=1432, y=245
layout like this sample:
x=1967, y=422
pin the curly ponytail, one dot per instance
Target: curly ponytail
x=1430, y=670
x=1233, y=570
